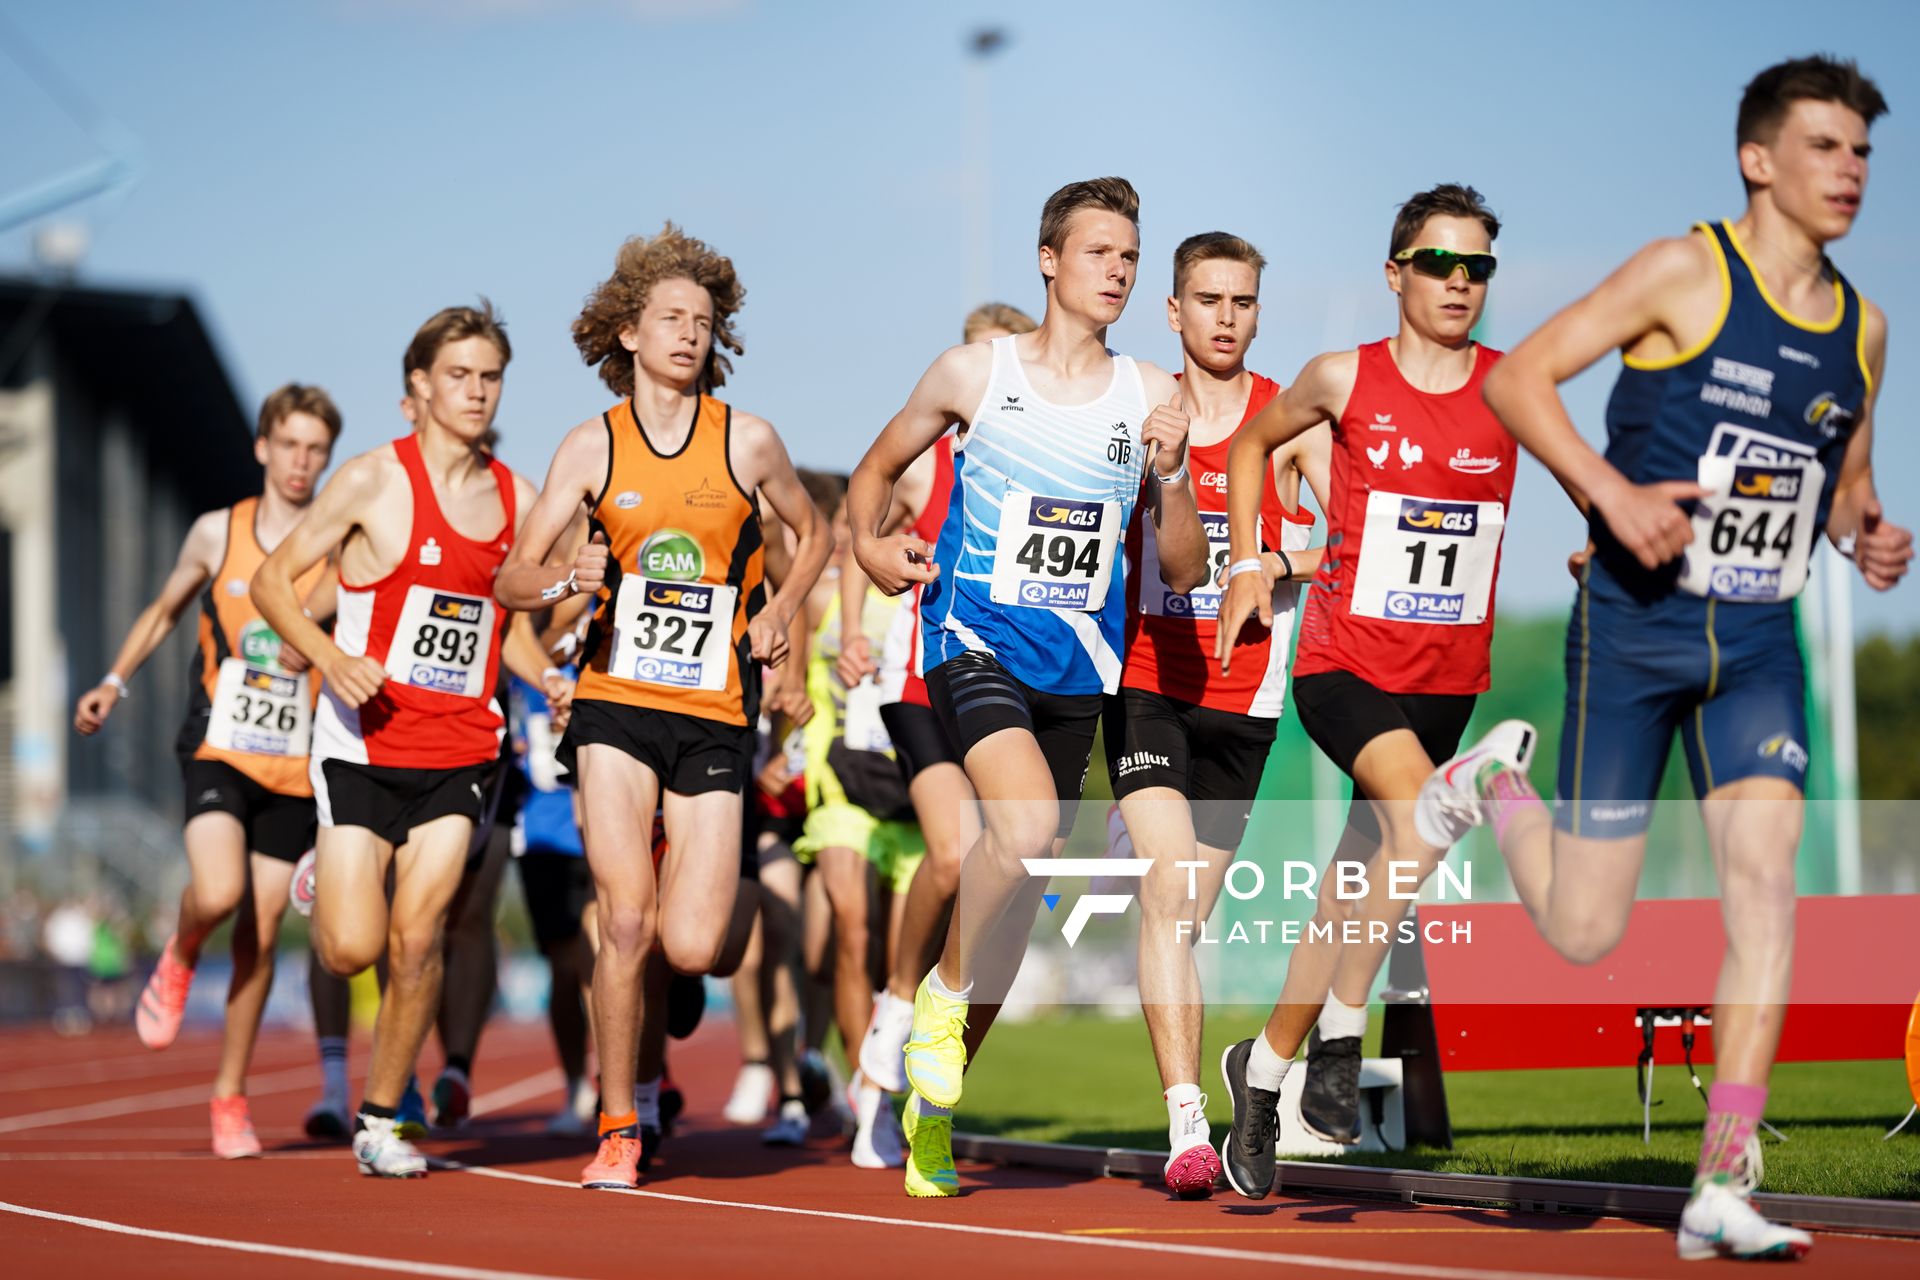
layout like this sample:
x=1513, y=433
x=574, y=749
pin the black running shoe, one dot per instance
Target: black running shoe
x=1247, y=1151
x=686, y=1003
x=1330, y=1099
x=672, y=1103
x=650, y=1138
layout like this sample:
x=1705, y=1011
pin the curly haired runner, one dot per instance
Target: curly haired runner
x=669, y=691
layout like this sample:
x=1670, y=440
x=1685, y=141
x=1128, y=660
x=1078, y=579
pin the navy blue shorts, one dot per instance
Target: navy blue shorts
x=1728, y=676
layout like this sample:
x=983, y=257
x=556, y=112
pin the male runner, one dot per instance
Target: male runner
x=943, y=799
x=243, y=747
x=1740, y=427
x=1187, y=743
x=1394, y=641
x=663, y=715
x=1024, y=605
x=408, y=733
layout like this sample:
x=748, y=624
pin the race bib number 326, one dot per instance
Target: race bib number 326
x=259, y=710
x=1054, y=553
x=443, y=642
x=1428, y=560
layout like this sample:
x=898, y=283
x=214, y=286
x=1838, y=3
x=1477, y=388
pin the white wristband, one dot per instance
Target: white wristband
x=551, y=672
x=1176, y=477
x=1238, y=567
x=562, y=589
x=113, y=681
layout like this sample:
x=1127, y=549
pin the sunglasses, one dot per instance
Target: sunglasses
x=1442, y=263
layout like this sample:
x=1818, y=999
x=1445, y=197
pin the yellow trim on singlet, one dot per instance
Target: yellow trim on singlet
x=1713, y=686
x=1760, y=283
x=1860, y=342
x=1726, y=305
x=1580, y=729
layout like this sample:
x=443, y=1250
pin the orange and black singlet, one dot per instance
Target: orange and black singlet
x=684, y=574
x=245, y=709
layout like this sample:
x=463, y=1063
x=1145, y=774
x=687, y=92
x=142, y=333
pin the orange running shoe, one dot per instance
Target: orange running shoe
x=233, y=1135
x=617, y=1167
x=164, y=1002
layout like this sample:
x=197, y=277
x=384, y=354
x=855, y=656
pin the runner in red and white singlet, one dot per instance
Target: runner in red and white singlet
x=943, y=799
x=1187, y=742
x=408, y=730
x=1393, y=644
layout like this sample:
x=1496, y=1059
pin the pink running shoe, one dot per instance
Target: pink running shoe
x=164, y=1002
x=233, y=1136
x=617, y=1167
x=1191, y=1174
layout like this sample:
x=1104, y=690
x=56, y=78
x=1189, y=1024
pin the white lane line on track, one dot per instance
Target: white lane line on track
x=508, y=1095
x=276, y=1082
x=119, y=1069
x=1363, y=1266
x=206, y=1156
x=338, y=1259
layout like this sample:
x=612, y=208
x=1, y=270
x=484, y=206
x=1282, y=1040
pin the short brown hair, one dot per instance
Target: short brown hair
x=828, y=489
x=617, y=302
x=995, y=315
x=1819, y=78
x=298, y=398
x=453, y=324
x=1115, y=195
x=1206, y=247
x=1448, y=200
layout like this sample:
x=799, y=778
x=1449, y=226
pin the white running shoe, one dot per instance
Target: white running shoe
x=790, y=1128
x=1449, y=803
x=1720, y=1222
x=752, y=1093
x=300, y=888
x=1192, y=1164
x=383, y=1153
x=877, y=1140
x=883, y=1049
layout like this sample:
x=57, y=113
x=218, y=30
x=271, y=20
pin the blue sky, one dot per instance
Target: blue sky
x=322, y=176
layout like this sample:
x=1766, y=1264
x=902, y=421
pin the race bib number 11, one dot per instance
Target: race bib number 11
x=1054, y=553
x=1427, y=560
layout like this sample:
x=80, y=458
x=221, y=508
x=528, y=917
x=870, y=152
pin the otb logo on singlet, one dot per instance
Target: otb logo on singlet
x=672, y=554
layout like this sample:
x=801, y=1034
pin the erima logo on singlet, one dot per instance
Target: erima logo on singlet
x=1459, y=519
x=691, y=599
x=1013, y=405
x=456, y=609
x=1769, y=484
x=430, y=552
x=1065, y=511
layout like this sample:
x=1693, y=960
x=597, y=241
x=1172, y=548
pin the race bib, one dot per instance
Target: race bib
x=672, y=633
x=1427, y=560
x=443, y=642
x=260, y=711
x=865, y=731
x=1054, y=553
x=1753, y=534
x=1203, y=601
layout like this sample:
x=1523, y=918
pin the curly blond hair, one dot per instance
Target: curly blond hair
x=619, y=299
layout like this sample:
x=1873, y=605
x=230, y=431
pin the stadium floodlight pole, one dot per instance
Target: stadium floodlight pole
x=982, y=43
x=1842, y=722
x=113, y=173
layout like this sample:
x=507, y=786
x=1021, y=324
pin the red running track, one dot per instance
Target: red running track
x=104, y=1169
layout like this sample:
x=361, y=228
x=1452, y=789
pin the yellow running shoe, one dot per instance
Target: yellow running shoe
x=930, y=1170
x=936, y=1055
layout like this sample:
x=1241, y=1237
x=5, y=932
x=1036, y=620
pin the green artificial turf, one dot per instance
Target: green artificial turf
x=1088, y=1079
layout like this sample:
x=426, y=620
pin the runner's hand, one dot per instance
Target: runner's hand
x=767, y=634
x=95, y=705
x=1648, y=521
x=1883, y=551
x=1246, y=595
x=1166, y=427
x=356, y=680
x=855, y=662
x=590, y=564
x=786, y=695
x=1577, y=561
x=292, y=661
x=773, y=777
x=895, y=563
x=559, y=690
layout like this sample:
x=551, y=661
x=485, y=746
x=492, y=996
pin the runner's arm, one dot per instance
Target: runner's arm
x=946, y=393
x=773, y=476
x=911, y=494
x=1311, y=454
x=1523, y=392
x=321, y=604
x=199, y=553
x=355, y=487
x=1882, y=550
x=528, y=580
x=1171, y=504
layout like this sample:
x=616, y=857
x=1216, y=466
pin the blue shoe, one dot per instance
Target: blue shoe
x=410, y=1117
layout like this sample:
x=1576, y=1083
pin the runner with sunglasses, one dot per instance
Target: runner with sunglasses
x=1394, y=639
x=1741, y=427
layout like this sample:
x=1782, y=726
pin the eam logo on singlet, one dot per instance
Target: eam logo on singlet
x=260, y=645
x=672, y=554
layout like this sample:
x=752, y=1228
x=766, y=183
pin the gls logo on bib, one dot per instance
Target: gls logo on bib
x=1458, y=519
x=1066, y=512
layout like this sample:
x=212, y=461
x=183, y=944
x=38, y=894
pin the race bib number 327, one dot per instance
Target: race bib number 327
x=672, y=633
x=1428, y=560
x=1054, y=553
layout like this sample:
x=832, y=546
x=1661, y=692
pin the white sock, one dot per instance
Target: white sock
x=581, y=1097
x=1179, y=1098
x=646, y=1102
x=941, y=989
x=1339, y=1020
x=1265, y=1068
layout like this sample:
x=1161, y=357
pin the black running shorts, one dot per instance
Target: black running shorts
x=1214, y=758
x=391, y=802
x=919, y=739
x=1343, y=713
x=690, y=756
x=278, y=826
x=976, y=697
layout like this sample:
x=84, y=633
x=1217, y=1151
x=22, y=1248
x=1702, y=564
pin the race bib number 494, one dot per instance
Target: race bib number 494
x=1427, y=560
x=672, y=633
x=443, y=642
x=1054, y=553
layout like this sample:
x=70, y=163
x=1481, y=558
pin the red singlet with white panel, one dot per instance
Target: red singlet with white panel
x=1421, y=486
x=433, y=624
x=902, y=678
x=1170, y=636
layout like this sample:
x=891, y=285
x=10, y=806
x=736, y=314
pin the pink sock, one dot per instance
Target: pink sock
x=1733, y=1113
x=1508, y=794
